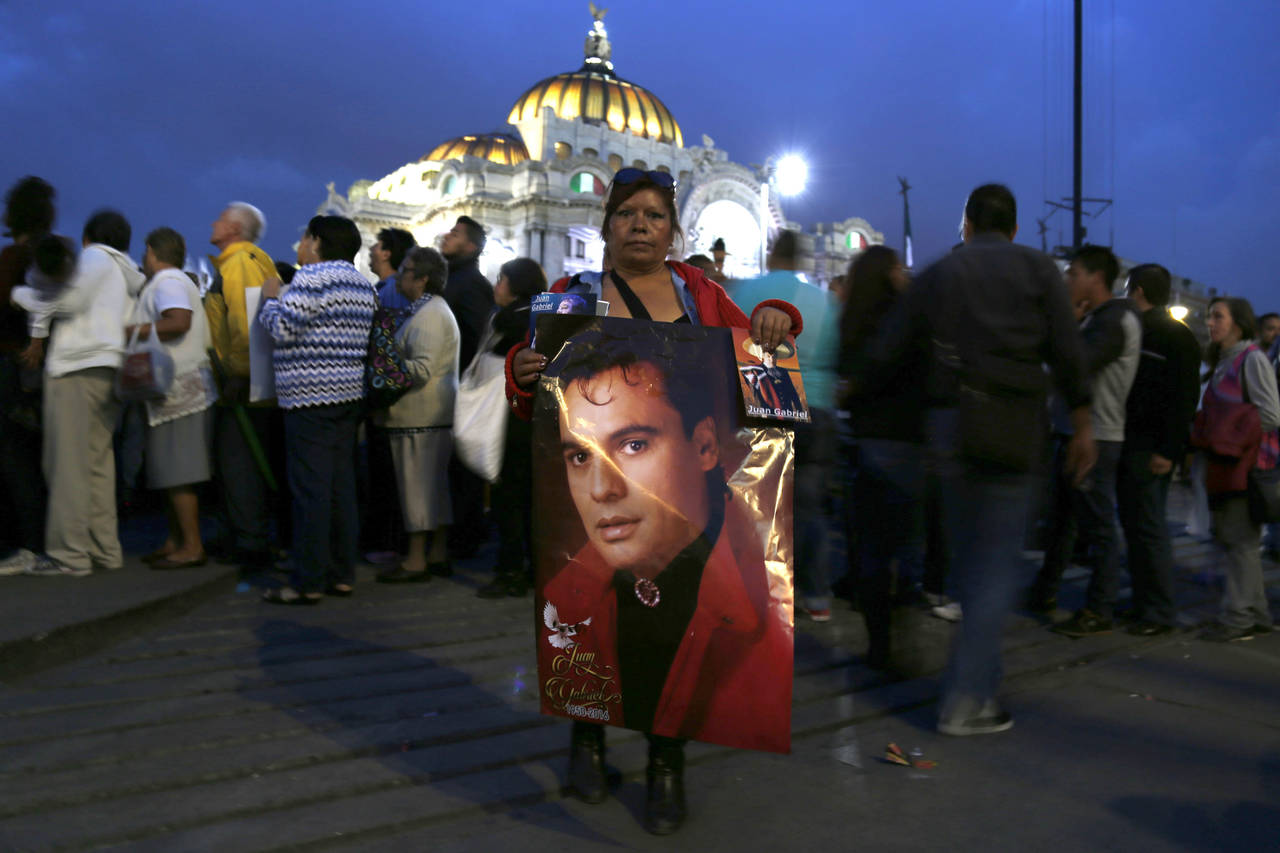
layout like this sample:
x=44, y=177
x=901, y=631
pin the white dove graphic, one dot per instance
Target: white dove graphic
x=562, y=633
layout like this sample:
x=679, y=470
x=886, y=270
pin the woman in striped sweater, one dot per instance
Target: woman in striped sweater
x=321, y=325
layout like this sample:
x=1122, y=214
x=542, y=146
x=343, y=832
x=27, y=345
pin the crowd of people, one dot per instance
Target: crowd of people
x=940, y=399
x=275, y=434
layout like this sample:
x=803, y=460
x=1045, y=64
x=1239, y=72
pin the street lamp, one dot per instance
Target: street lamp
x=791, y=175
x=788, y=175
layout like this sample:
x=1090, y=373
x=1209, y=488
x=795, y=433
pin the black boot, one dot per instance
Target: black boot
x=664, y=808
x=496, y=588
x=586, y=763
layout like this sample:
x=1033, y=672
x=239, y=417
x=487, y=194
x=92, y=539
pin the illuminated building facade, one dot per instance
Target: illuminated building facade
x=539, y=190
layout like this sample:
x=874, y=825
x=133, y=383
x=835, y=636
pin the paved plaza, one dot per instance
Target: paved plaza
x=178, y=713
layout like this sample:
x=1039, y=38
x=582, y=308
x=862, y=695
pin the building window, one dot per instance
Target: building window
x=662, y=168
x=590, y=152
x=585, y=182
x=563, y=150
x=615, y=162
x=426, y=176
x=639, y=164
x=450, y=185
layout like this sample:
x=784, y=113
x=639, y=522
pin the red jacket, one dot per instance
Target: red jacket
x=715, y=308
x=730, y=681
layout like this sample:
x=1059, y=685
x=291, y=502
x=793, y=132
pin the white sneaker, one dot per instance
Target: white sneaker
x=951, y=612
x=21, y=561
x=49, y=567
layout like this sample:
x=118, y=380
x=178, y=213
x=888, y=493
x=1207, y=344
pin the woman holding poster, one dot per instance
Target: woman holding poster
x=640, y=228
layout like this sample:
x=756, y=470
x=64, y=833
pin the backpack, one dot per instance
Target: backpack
x=386, y=378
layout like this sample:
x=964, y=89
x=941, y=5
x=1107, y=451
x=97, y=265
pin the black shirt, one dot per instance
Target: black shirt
x=649, y=637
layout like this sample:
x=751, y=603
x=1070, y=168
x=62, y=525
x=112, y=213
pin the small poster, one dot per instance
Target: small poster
x=262, y=371
x=771, y=384
x=558, y=303
x=662, y=537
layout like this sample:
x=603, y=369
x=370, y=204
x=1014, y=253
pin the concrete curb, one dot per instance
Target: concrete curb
x=25, y=656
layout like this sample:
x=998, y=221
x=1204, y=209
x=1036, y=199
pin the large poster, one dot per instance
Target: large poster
x=662, y=535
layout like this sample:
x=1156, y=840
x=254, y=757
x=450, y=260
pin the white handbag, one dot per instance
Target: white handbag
x=480, y=414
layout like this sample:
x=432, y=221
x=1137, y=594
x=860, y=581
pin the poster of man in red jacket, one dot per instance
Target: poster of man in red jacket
x=664, y=583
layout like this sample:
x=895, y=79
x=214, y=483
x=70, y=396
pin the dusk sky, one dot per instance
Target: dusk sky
x=168, y=110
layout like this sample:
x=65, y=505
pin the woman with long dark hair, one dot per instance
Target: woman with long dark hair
x=1239, y=374
x=519, y=280
x=888, y=432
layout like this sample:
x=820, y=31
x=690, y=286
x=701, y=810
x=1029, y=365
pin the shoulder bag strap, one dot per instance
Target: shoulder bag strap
x=634, y=305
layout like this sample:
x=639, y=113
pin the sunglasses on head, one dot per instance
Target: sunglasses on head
x=631, y=175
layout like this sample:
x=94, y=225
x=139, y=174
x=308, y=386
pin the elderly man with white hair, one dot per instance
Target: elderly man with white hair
x=241, y=265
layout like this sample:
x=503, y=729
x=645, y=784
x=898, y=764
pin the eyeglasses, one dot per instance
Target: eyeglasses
x=631, y=175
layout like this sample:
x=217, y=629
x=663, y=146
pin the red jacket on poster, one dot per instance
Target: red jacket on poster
x=730, y=681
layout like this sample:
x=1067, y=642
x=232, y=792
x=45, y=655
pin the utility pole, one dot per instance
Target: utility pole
x=906, y=222
x=1077, y=225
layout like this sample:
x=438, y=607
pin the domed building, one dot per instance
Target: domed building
x=539, y=191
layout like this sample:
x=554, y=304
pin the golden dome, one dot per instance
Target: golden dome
x=597, y=96
x=501, y=148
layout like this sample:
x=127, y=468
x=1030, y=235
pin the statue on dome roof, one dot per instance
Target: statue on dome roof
x=597, y=48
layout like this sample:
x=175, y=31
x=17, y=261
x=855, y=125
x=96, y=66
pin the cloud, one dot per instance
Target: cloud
x=255, y=174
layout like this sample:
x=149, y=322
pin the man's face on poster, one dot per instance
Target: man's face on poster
x=636, y=476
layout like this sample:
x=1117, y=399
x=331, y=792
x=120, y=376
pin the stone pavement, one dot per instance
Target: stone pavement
x=406, y=718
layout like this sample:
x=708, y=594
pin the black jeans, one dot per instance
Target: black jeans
x=1142, y=498
x=321, y=449
x=247, y=501
x=1090, y=509
x=512, y=498
x=888, y=485
x=23, y=497
x=815, y=466
x=382, y=522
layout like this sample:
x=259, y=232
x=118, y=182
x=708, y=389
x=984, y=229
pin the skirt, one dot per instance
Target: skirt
x=421, y=458
x=178, y=451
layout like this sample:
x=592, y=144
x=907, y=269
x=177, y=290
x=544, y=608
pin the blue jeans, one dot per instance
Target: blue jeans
x=984, y=512
x=815, y=465
x=321, y=451
x=1142, y=498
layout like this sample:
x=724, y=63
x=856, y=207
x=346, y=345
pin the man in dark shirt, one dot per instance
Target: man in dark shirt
x=470, y=297
x=1159, y=412
x=468, y=292
x=986, y=318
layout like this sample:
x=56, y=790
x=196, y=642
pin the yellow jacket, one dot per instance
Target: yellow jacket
x=240, y=266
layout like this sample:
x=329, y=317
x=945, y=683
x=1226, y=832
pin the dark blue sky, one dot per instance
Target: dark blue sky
x=168, y=110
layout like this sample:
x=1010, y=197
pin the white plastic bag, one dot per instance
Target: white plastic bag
x=147, y=370
x=480, y=415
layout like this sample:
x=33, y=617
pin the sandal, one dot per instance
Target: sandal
x=289, y=595
x=341, y=590
x=157, y=555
